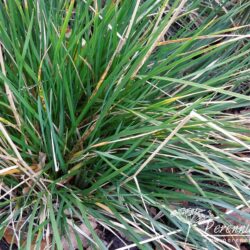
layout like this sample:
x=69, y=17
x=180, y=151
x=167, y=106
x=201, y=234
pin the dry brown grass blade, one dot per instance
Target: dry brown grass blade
x=150, y=158
x=14, y=170
x=200, y=38
x=96, y=7
x=23, y=166
x=83, y=139
x=118, y=49
x=40, y=89
x=225, y=10
x=132, y=223
x=9, y=94
x=159, y=37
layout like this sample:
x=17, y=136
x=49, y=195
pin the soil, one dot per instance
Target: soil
x=5, y=246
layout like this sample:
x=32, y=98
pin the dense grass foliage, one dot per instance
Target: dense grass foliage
x=121, y=112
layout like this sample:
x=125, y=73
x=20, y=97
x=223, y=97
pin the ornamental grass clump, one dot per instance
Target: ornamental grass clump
x=115, y=115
